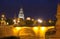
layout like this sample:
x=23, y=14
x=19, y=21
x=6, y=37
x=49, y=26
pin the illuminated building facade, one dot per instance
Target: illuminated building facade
x=3, y=22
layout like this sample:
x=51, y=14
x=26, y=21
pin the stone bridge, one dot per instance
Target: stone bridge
x=23, y=31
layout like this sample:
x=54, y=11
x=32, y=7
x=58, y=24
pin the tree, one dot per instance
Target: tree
x=29, y=23
x=10, y=21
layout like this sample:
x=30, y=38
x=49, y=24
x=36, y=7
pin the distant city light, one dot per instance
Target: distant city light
x=40, y=21
x=18, y=21
x=14, y=21
x=3, y=15
x=7, y=23
x=50, y=21
x=28, y=18
x=32, y=19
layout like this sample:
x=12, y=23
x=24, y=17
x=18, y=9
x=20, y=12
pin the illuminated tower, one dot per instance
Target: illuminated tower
x=21, y=14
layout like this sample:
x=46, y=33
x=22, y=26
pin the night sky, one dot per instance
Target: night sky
x=45, y=9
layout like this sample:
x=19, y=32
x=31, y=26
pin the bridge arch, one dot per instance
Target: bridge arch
x=26, y=33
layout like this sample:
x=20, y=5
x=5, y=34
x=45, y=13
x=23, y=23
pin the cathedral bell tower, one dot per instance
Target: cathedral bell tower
x=21, y=14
